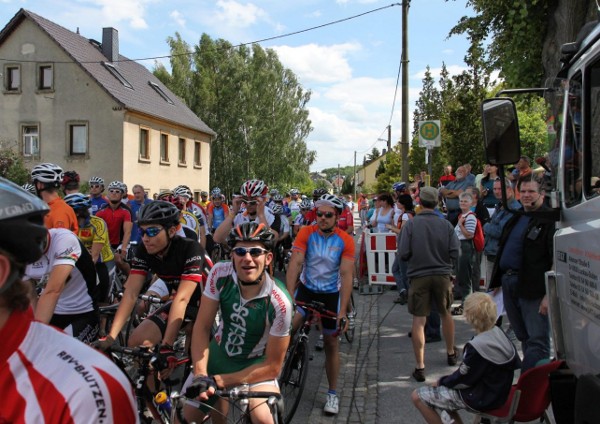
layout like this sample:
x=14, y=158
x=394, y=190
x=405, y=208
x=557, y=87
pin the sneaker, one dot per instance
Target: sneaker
x=332, y=405
x=319, y=345
x=419, y=374
x=453, y=359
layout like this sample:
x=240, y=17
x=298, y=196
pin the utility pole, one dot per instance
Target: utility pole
x=389, y=140
x=405, y=138
x=355, y=176
x=339, y=187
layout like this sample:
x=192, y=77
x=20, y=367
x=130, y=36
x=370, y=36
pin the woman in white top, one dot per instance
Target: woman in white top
x=465, y=230
x=383, y=218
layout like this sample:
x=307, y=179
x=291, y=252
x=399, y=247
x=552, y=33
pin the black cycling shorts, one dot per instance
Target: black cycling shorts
x=84, y=327
x=330, y=300
x=160, y=317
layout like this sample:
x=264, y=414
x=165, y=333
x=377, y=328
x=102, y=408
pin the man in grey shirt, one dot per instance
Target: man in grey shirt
x=429, y=244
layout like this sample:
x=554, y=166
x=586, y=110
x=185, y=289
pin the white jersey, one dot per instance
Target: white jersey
x=64, y=249
x=285, y=226
x=47, y=376
x=242, y=217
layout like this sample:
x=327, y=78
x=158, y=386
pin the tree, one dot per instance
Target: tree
x=11, y=164
x=373, y=155
x=393, y=170
x=254, y=104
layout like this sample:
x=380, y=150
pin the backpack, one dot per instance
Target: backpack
x=478, y=238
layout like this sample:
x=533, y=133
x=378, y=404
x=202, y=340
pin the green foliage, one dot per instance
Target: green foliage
x=393, y=170
x=11, y=164
x=532, y=127
x=373, y=155
x=345, y=171
x=84, y=187
x=380, y=168
x=516, y=31
x=348, y=186
x=255, y=105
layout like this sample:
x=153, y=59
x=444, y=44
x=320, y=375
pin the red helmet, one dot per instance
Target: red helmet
x=254, y=188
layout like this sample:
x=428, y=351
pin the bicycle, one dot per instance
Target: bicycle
x=295, y=367
x=238, y=397
x=148, y=408
x=349, y=333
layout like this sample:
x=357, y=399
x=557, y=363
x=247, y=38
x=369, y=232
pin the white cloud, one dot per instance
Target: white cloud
x=116, y=11
x=314, y=63
x=178, y=18
x=235, y=14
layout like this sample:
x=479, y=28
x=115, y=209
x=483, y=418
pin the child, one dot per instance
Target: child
x=484, y=378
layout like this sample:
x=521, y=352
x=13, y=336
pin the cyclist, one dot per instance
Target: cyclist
x=46, y=375
x=346, y=220
x=93, y=233
x=204, y=202
x=118, y=220
x=217, y=210
x=252, y=193
x=323, y=261
x=311, y=216
x=70, y=182
x=254, y=332
x=66, y=277
x=46, y=178
x=294, y=203
x=177, y=261
x=29, y=188
x=96, y=196
x=284, y=239
x=305, y=206
x=185, y=195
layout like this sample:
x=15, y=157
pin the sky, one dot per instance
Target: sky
x=350, y=67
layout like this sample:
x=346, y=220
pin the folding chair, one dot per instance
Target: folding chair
x=528, y=399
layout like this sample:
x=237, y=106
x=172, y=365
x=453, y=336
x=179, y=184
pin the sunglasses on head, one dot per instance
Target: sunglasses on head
x=150, y=232
x=254, y=251
x=325, y=214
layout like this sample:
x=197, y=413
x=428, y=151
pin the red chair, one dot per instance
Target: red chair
x=528, y=399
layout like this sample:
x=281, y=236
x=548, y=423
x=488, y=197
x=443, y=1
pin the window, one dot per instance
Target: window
x=31, y=140
x=182, y=151
x=197, y=151
x=13, y=78
x=161, y=92
x=46, y=77
x=78, y=139
x=144, y=144
x=572, y=153
x=164, y=148
x=117, y=74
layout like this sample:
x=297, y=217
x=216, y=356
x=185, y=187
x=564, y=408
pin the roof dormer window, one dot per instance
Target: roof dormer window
x=161, y=92
x=117, y=74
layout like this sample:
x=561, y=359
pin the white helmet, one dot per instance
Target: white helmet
x=48, y=173
x=277, y=209
x=96, y=180
x=116, y=185
x=254, y=188
x=330, y=200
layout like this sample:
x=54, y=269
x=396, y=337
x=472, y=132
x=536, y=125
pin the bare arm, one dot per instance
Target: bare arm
x=177, y=311
x=201, y=335
x=96, y=249
x=133, y=286
x=127, y=226
x=49, y=298
x=346, y=268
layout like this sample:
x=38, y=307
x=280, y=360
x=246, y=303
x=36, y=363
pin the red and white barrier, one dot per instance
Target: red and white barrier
x=381, y=252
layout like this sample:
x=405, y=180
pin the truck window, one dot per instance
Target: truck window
x=572, y=152
x=592, y=183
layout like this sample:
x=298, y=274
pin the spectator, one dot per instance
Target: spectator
x=451, y=192
x=383, y=218
x=465, y=230
x=469, y=175
x=448, y=177
x=483, y=215
x=70, y=182
x=486, y=186
x=429, y=244
x=350, y=203
x=363, y=207
x=525, y=253
x=139, y=199
x=484, y=378
x=522, y=170
x=406, y=212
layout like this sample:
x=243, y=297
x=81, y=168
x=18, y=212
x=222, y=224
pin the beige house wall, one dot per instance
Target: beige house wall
x=155, y=175
x=366, y=176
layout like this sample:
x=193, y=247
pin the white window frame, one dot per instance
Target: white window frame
x=30, y=142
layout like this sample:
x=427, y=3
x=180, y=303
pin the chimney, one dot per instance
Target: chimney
x=110, y=44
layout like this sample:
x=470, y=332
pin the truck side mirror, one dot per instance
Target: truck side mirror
x=500, y=131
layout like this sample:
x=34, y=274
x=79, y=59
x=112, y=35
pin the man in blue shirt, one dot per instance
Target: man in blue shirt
x=139, y=199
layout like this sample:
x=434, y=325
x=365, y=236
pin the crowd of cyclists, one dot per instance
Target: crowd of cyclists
x=109, y=246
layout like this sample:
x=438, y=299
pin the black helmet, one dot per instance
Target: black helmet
x=159, y=212
x=318, y=192
x=251, y=231
x=70, y=179
x=22, y=230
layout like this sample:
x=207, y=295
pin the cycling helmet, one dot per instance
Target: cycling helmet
x=47, y=173
x=116, y=185
x=277, y=209
x=159, y=212
x=399, y=186
x=254, y=188
x=216, y=192
x=78, y=201
x=306, y=204
x=203, y=194
x=165, y=195
x=183, y=190
x=70, y=178
x=30, y=188
x=96, y=180
x=22, y=230
x=251, y=231
x=273, y=192
x=294, y=192
x=124, y=187
x=318, y=192
x=330, y=200
x=278, y=198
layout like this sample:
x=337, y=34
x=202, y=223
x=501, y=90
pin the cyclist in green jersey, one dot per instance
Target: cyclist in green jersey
x=253, y=335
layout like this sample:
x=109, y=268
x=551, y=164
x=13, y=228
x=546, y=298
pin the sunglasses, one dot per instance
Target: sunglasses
x=94, y=185
x=255, y=252
x=251, y=202
x=115, y=190
x=150, y=232
x=325, y=214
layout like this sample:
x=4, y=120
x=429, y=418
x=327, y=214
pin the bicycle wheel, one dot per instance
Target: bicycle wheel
x=293, y=378
x=349, y=333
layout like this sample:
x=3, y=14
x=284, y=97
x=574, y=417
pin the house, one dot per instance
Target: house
x=76, y=102
x=366, y=178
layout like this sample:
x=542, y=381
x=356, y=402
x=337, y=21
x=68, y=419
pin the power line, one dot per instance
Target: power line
x=289, y=34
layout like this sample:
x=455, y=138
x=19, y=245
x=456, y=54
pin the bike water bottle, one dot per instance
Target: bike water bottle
x=163, y=402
